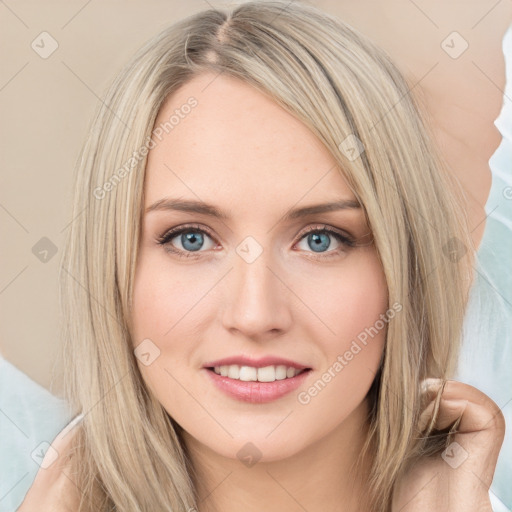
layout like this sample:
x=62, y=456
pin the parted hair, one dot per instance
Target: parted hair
x=129, y=450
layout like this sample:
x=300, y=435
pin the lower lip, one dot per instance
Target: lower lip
x=257, y=392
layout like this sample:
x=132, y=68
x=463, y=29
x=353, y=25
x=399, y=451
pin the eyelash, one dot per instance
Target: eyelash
x=164, y=240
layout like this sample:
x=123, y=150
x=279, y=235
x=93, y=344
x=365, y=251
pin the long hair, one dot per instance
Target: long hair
x=343, y=88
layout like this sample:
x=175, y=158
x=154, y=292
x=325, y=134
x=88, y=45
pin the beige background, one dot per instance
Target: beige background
x=47, y=105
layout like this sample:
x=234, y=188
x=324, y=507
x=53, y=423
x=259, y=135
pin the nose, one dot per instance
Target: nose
x=257, y=303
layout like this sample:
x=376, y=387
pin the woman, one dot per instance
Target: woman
x=265, y=285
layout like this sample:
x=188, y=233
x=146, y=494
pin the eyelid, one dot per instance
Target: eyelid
x=322, y=227
x=179, y=229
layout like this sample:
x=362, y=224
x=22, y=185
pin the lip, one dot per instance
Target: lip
x=256, y=392
x=256, y=363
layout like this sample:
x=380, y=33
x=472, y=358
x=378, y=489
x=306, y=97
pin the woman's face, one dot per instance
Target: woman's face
x=263, y=282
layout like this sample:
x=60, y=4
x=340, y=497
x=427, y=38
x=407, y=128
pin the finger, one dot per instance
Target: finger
x=475, y=409
x=450, y=411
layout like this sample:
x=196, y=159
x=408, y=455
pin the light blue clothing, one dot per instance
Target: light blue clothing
x=30, y=419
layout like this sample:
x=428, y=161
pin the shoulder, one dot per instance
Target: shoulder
x=54, y=487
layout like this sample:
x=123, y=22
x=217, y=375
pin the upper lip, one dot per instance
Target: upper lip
x=256, y=363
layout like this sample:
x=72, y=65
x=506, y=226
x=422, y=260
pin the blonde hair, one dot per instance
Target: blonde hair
x=336, y=81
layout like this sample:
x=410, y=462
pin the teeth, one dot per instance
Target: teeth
x=280, y=372
x=249, y=373
x=234, y=371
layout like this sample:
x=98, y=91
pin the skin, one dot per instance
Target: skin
x=243, y=153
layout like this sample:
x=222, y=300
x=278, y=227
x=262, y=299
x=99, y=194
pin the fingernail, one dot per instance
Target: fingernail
x=430, y=383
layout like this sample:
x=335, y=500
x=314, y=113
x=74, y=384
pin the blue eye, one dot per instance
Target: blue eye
x=192, y=240
x=319, y=240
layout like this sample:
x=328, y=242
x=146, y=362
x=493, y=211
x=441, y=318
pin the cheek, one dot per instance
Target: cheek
x=171, y=307
x=348, y=300
x=160, y=303
x=161, y=298
x=352, y=306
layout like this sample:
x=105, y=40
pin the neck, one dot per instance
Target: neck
x=320, y=477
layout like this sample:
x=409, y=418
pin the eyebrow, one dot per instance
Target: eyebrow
x=202, y=208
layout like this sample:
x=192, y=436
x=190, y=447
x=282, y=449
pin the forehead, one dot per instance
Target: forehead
x=236, y=145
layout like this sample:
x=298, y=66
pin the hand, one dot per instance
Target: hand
x=53, y=489
x=458, y=480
